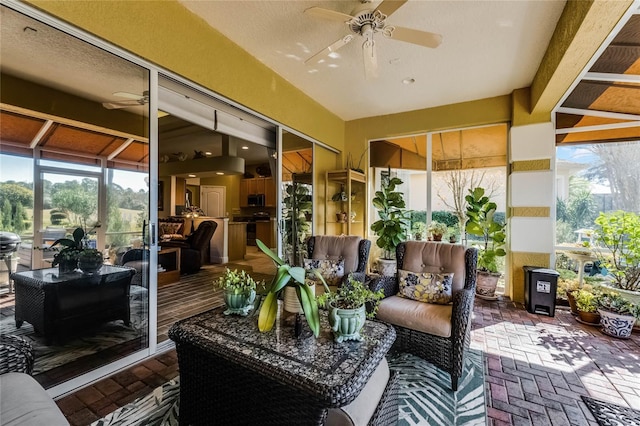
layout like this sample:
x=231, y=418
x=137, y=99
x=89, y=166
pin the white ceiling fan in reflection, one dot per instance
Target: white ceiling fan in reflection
x=366, y=21
x=131, y=99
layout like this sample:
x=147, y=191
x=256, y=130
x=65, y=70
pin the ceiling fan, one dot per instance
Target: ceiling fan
x=132, y=99
x=366, y=21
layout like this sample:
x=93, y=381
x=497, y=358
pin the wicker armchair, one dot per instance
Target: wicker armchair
x=438, y=333
x=16, y=355
x=353, y=249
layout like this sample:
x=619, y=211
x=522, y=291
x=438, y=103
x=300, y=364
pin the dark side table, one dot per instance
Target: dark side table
x=230, y=373
x=58, y=305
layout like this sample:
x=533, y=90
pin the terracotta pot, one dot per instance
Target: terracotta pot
x=589, y=317
x=486, y=283
x=572, y=303
x=437, y=237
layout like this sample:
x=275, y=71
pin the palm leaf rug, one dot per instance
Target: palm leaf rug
x=425, y=397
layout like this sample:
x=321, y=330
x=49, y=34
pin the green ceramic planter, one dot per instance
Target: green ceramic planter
x=238, y=303
x=346, y=323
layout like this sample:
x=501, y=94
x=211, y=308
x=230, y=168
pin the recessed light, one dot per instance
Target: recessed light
x=408, y=81
x=220, y=173
x=191, y=175
x=208, y=153
x=245, y=147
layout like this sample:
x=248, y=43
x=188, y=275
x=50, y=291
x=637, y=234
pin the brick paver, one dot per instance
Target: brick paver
x=537, y=367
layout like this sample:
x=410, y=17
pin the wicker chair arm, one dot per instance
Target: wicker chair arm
x=358, y=276
x=461, y=313
x=16, y=355
x=389, y=285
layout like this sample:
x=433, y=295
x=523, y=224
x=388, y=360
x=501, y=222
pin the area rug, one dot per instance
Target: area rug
x=608, y=414
x=107, y=335
x=425, y=397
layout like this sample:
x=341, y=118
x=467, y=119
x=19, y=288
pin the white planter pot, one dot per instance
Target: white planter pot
x=631, y=296
x=386, y=267
x=291, y=302
x=616, y=325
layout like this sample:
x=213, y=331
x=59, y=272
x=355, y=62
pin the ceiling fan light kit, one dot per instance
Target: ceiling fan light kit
x=365, y=22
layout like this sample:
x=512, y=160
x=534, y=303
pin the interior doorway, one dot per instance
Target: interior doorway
x=212, y=199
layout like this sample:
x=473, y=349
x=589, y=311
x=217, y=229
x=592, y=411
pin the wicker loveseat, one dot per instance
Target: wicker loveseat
x=437, y=333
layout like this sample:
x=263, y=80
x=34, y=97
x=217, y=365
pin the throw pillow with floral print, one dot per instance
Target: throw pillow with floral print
x=426, y=286
x=331, y=270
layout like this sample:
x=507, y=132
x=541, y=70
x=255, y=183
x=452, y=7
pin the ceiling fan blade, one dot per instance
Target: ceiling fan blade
x=120, y=104
x=331, y=48
x=422, y=38
x=128, y=95
x=370, y=59
x=319, y=12
x=387, y=7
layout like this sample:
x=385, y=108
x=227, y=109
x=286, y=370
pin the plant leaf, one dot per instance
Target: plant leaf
x=269, y=253
x=268, y=312
x=298, y=273
x=281, y=279
x=308, y=303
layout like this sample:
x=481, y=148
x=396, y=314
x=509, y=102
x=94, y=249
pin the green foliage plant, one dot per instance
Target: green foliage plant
x=352, y=295
x=437, y=228
x=391, y=227
x=237, y=282
x=619, y=233
x=614, y=302
x=481, y=222
x=419, y=229
x=292, y=276
x=297, y=206
x=71, y=248
x=586, y=301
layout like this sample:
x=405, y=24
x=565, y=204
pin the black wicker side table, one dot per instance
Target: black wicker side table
x=58, y=306
x=230, y=373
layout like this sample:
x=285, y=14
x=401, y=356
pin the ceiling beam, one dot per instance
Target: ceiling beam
x=596, y=113
x=614, y=78
x=119, y=149
x=38, y=137
x=597, y=127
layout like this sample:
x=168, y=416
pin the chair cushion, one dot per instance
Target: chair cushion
x=361, y=409
x=338, y=247
x=425, y=256
x=24, y=402
x=425, y=286
x=424, y=317
x=331, y=270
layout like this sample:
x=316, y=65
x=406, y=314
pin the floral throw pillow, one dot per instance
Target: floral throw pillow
x=331, y=270
x=426, y=286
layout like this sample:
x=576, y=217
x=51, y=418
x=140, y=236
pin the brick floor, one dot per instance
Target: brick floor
x=536, y=369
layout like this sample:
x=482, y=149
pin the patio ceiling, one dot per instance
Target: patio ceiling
x=605, y=104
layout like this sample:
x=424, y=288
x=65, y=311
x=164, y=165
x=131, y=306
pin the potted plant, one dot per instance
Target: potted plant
x=392, y=223
x=587, y=306
x=481, y=223
x=289, y=276
x=66, y=258
x=347, y=308
x=619, y=233
x=617, y=315
x=437, y=230
x=90, y=261
x=239, y=291
x=419, y=229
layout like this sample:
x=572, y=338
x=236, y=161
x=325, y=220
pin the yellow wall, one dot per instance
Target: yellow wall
x=202, y=55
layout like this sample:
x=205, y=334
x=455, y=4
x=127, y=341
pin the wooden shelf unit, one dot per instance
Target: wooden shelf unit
x=354, y=184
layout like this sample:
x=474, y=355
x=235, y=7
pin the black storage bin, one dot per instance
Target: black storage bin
x=540, y=287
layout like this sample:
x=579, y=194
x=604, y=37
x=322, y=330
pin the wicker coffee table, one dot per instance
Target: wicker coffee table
x=231, y=373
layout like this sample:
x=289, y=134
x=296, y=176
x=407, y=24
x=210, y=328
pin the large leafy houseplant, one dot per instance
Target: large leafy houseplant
x=619, y=233
x=481, y=223
x=393, y=222
x=72, y=249
x=291, y=276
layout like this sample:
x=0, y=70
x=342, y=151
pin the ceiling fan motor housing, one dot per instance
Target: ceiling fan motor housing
x=367, y=19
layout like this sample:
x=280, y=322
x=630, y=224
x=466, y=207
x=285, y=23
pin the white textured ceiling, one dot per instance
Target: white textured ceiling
x=489, y=49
